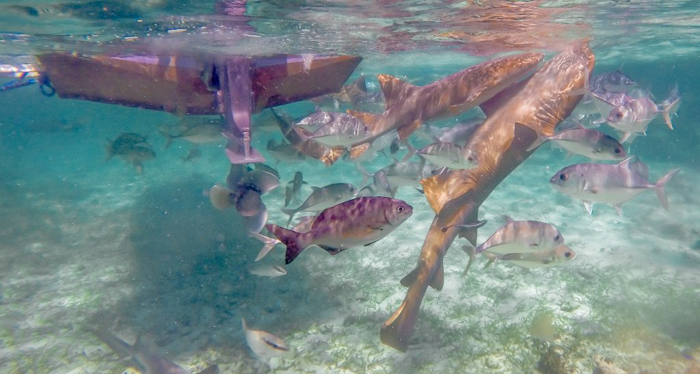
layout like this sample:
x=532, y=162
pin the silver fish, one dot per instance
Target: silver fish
x=293, y=187
x=202, y=132
x=147, y=361
x=457, y=134
x=132, y=148
x=634, y=115
x=315, y=121
x=341, y=131
x=271, y=271
x=609, y=184
x=449, y=155
x=522, y=237
x=399, y=174
x=557, y=256
x=264, y=344
x=322, y=198
x=354, y=223
x=586, y=142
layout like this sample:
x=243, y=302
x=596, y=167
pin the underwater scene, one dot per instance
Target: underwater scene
x=349, y=186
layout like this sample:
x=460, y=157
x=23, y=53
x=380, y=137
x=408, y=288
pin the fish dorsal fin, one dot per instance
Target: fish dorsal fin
x=629, y=160
x=394, y=89
x=314, y=188
x=507, y=219
x=361, y=83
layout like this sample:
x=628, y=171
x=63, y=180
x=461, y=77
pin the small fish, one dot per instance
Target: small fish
x=612, y=184
x=634, y=115
x=293, y=187
x=271, y=271
x=522, y=237
x=457, y=134
x=141, y=357
x=284, y=152
x=354, y=94
x=264, y=344
x=399, y=174
x=322, y=198
x=343, y=130
x=586, y=142
x=202, y=132
x=315, y=121
x=557, y=256
x=449, y=155
x=354, y=223
x=132, y=148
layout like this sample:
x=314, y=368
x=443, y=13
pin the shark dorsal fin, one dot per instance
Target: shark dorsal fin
x=368, y=119
x=361, y=83
x=394, y=89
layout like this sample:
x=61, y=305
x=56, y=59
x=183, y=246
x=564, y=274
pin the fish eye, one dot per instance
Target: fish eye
x=618, y=115
x=563, y=177
x=567, y=254
x=556, y=238
x=400, y=209
x=618, y=150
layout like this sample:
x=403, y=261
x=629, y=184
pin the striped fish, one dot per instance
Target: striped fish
x=354, y=223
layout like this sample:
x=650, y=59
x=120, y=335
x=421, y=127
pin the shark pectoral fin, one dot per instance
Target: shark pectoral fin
x=332, y=155
x=408, y=280
x=438, y=278
x=450, y=208
x=358, y=150
x=332, y=250
x=589, y=207
x=394, y=89
x=471, y=252
x=406, y=130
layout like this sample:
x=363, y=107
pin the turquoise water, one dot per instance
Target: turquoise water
x=87, y=243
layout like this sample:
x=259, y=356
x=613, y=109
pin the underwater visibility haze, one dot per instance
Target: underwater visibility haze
x=245, y=186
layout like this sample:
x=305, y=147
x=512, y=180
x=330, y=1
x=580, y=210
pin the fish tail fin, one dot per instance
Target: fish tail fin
x=471, y=252
x=394, y=89
x=290, y=239
x=270, y=243
x=670, y=106
x=290, y=213
x=411, y=151
x=168, y=138
x=220, y=197
x=660, y=193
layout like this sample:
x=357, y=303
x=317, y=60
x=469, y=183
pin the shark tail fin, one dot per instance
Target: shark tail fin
x=290, y=239
x=394, y=89
x=660, y=193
